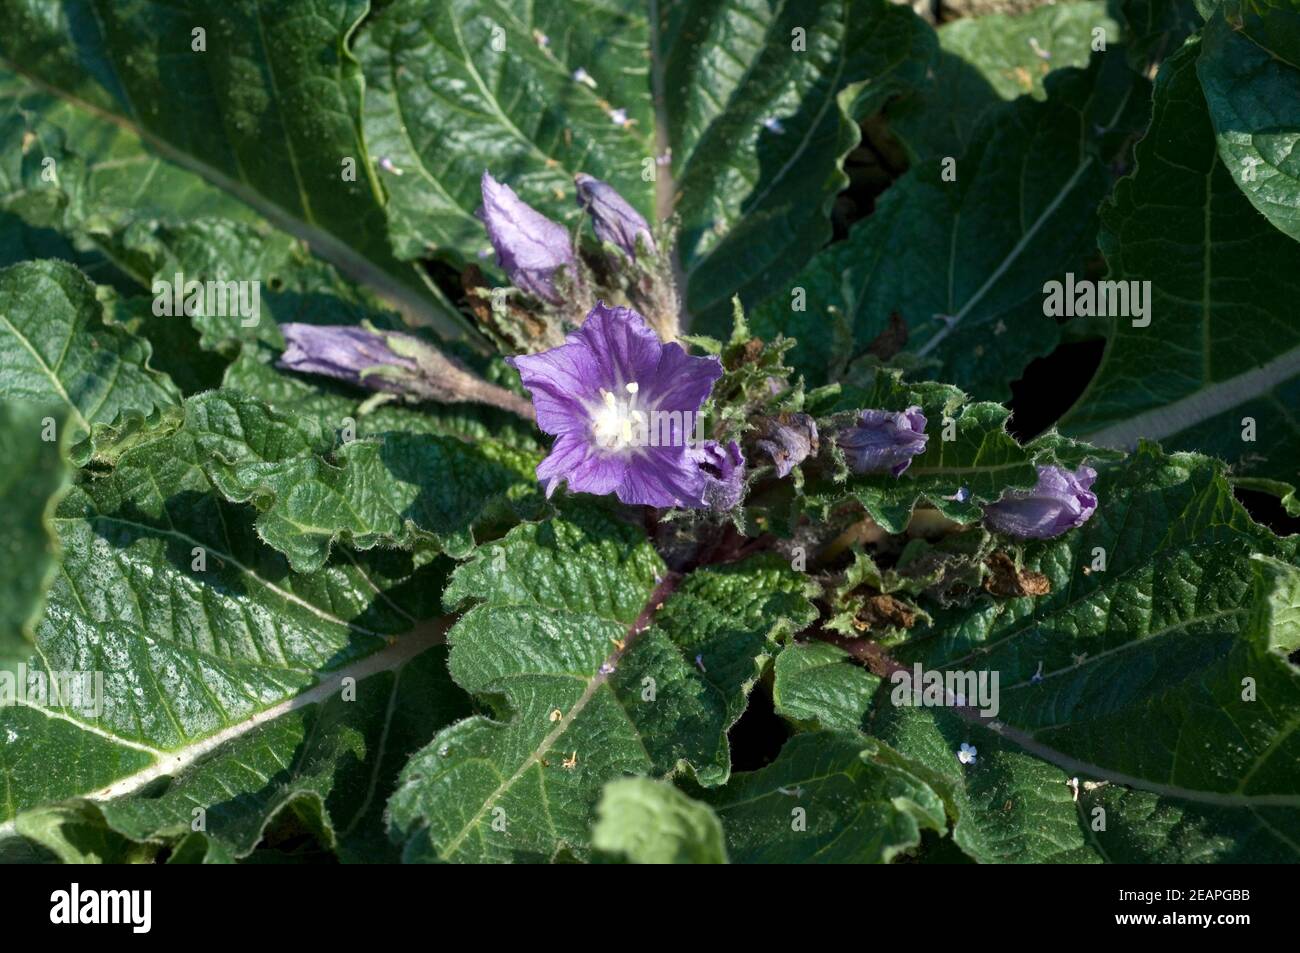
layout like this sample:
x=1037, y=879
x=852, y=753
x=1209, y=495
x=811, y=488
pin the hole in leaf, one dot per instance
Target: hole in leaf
x=1266, y=509
x=756, y=739
x=1051, y=385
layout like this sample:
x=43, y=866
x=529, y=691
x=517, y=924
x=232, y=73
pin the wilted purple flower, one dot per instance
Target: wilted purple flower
x=621, y=403
x=789, y=440
x=614, y=220
x=529, y=246
x=342, y=352
x=724, y=473
x=884, y=440
x=1061, y=501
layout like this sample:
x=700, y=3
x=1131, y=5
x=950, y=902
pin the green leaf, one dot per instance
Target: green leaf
x=818, y=686
x=268, y=111
x=326, y=760
x=584, y=687
x=964, y=262
x=830, y=797
x=34, y=478
x=1250, y=73
x=395, y=489
x=193, y=625
x=1220, y=346
x=1164, y=675
x=453, y=89
x=55, y=350
x=651, y=822
x=758, y=130
x=986, y=60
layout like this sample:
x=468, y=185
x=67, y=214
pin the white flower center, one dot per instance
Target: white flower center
x=615, y=422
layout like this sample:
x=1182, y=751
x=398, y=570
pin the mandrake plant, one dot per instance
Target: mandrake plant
x=649, y=431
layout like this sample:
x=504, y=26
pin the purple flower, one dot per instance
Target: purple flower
x=789, y=440
x=343, y=352
x=724, y=473
x=1061, y=501
x=622, y=405
x=884, y=440
x=529, y=246
x=614, y=220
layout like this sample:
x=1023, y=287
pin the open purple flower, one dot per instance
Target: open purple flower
x=529, y=246
x=343, y=352
x=789, y=440
x=612, y=217
x=723, y=468
x=1060, y=501
x=883, y=440
x=623, y=406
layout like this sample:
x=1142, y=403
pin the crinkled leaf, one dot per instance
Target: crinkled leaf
x=1165, y=673
x=327, y=760
x=194, y=624
x=830, y=797
x=818, y=686
x=393, y=489
x=584, y=687
x=55, y=350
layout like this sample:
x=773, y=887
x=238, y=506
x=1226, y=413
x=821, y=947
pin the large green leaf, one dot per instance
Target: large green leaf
x=830, y=797
x=595, y=671
x=1220, y=346
x=986, y=60
x=759, y=131
x=964, y=262
x=1250, y=73
x=35, y=476
x=194, y=624
x=268, y=111
x=456, y=88
x=326, y=759
x=1164, y=673
x=55, y=350
x=395, y=489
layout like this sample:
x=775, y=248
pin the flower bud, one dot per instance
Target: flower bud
x=723, y=469
x=1060, y=501
x=789, y=440
x=344, y=352
x=614, y=220
x=883, y=440
x=529, y=246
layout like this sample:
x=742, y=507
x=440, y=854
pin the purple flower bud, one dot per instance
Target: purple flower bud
x=529, y=246
x=614, y=220
x=789, y=440
x=723, y=469
x=884, y=440
x=343, y=352
x=1061, y=501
